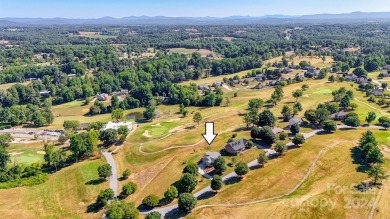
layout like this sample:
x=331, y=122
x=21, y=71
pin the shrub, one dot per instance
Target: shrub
x=191, y=168
x=216, y=183
x=282, y=136
x=241, y=169
x=151, y=201
x=262, y=159
x=126, y=173
x=104, y=196
x=129, y=188
x=187, y=183
x=298, y=139
x=280, y=147
x=171, y=193
x=153, y=215
x=187, y=202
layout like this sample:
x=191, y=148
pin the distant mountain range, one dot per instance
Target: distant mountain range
x=355, y=17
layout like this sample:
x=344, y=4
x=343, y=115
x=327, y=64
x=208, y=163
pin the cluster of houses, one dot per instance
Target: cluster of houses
x=104, y=96
x=362, y=81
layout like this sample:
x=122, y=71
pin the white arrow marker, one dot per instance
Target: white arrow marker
x=209, y=136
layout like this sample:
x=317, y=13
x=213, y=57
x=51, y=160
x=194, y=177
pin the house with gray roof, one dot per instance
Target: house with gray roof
x=377, y=92
x=339, y=115
x=218, y=84
x=294, y=121
x=260, y=86
x=203, y=87
x=235, y=147
x=209, y=158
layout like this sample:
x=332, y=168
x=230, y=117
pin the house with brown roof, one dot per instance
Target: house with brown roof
x=235, y=147
x=277, y=131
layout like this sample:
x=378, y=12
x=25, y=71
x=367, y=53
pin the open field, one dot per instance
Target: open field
x=315, y=61
x=213, y=79
x=66, y=194
x=203, y=52
x=6, y=86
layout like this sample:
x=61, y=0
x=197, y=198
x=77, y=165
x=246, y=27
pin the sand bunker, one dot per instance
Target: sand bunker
x=41, y=152
x=15, y=153
x=156, y=125
x=173, y=120
x=146, y=134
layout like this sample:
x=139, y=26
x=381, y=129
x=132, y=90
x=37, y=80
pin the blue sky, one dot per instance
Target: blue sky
x=178, y=8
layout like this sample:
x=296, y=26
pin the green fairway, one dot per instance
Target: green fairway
x=27, y=157
x=323, y=91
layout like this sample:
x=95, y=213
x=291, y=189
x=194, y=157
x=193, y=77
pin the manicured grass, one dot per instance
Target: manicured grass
x=323, y=91
x=27, y=157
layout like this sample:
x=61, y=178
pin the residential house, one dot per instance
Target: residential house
x=311, y=72
x=72, y=75
x=339, y=115
x=235, y=147
x=116, y=125
x=273, y=83
x=44, y=93
x=209, y=158
x=287, y=70
x=121, y=92
x=377, y=92
x=101, y=97
x=299, y=77
x=387, y=67
x=218, y=84
x=259, y=77
x=277, y=131
x=351, y=77
x=260, y=86
x=294, y=121
x=34, y=79
x=203, y=87
x=84, y=126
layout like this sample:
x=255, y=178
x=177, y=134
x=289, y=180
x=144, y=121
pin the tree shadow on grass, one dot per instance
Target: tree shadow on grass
x=357, y=159
x=93, y=208
x=207, y=195
x=232, y=180
x=95, y=181
x=175, y=214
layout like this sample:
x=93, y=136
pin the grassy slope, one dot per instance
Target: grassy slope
x=64, y=195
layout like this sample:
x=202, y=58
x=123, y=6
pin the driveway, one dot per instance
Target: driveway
x=114, y=176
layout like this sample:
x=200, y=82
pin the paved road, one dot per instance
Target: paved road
x=114, y=176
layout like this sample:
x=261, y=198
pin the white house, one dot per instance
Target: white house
x=116, y=125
